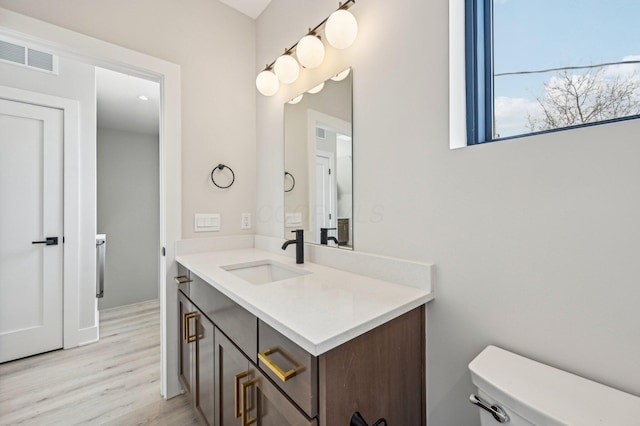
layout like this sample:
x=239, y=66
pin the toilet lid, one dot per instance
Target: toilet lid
x=547, y=395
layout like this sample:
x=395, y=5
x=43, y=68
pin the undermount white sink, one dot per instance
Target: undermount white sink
x=264, y=271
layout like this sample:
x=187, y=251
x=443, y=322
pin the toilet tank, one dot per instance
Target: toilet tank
x=532, y=393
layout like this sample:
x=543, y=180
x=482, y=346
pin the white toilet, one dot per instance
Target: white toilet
x=518, y=391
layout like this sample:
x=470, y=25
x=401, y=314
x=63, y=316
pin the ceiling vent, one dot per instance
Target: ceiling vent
x=34, y=59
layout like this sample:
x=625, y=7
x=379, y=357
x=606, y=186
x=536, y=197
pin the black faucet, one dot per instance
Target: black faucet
x=324, y=239
x=299, y=242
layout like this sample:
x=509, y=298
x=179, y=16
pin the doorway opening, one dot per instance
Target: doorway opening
x=128, y=188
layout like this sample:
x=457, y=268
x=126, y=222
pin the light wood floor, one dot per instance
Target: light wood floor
x=115, y=381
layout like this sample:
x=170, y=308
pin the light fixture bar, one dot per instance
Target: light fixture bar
x=340, y=31
x=312, y=31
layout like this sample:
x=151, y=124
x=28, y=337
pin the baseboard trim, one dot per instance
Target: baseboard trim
x=88, y=335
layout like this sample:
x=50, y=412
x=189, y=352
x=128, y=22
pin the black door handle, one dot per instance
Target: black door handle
x=50, y=241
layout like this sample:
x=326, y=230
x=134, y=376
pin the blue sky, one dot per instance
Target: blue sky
x=539, y=34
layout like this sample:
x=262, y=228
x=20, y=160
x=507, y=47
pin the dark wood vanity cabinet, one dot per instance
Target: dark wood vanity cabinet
x=231, y=373
x=197, y=358
x=380, y=374
x=267, y=380
x=272, y=408
x=246, y=396
x=187, y=354
x=205, y=385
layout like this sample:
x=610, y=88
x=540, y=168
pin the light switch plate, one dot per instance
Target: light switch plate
x=206, y=222
x=293, y=220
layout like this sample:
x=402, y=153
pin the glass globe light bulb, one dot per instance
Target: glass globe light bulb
x=267, y=83
x=341, y=75
x=286, y=69
x=341, y=29
x=297, y=99
x=310, y=51
x=316, y=89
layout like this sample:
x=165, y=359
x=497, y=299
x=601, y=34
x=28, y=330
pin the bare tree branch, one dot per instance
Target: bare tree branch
x=572, y=99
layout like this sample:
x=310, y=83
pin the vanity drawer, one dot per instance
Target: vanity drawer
x=233, y=320
x=291, y=368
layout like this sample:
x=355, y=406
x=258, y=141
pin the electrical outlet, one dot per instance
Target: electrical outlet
x=245, y=222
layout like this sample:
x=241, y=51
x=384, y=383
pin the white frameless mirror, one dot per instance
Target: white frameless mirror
x=318, y=161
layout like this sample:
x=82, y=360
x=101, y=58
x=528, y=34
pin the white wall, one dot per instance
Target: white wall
x=215, y=48
x=74, y=81
x=128, y=206
x=535, y=240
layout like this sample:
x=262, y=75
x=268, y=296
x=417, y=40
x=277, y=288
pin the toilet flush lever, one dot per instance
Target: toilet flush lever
x=497, y=412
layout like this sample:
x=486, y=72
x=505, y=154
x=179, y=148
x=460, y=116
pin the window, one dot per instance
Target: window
x=545, y=65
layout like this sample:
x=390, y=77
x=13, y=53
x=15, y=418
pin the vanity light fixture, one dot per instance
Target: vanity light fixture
x=286, y=68
x=267, y=82
x=297, y=99
x=316, y=89
x=310, y=50
x=341, y=75
x=340, y=30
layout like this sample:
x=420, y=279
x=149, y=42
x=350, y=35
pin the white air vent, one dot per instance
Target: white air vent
x=41, y=60
x=20, y=55
x=12, y=52
x=321, y=133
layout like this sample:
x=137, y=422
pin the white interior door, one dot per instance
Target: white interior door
x=324, y=206
x=31, y=141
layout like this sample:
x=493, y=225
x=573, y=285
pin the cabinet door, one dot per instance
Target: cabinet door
x=186, y=315
x=204, y=369
x=271, y=407
x=231, y=370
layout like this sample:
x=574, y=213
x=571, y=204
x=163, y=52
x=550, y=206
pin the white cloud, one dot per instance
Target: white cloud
x=624, y=70
x=511, y=115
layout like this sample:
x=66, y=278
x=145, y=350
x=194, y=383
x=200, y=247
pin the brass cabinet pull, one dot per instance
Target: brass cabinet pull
x=182, y=279
x=246, y=421
x=236, y=389
x=188, y=337
x=282, y=375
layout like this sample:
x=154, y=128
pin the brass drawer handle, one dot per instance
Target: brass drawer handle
x=188, y=337
x=245, y=420
x=182, y=279
x=282, y=375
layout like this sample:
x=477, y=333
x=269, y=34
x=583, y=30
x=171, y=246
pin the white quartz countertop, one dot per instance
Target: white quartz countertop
x=318, y=311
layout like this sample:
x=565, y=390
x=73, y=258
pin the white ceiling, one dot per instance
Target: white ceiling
x=118, y=104
x=251, y=8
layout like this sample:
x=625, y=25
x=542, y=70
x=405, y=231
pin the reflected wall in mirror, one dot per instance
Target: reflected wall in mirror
x=318, y=161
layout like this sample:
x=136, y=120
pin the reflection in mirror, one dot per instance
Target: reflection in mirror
x=318, y=178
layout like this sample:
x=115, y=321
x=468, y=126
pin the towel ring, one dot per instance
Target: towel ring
x=293, y=180
x=222, y=167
